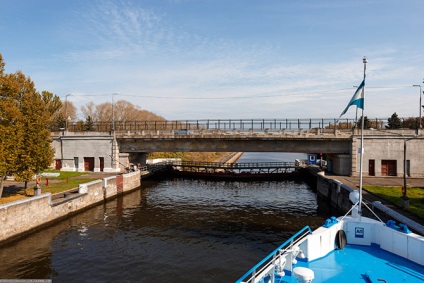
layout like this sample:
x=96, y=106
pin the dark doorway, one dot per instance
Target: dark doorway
x=102, y=163
x=371, y=167
x=388, y=168
x=408, y=168
x=89, y=164
x=58, y=164
x=76, y=163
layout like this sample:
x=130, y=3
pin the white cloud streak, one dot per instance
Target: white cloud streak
x=122, y=46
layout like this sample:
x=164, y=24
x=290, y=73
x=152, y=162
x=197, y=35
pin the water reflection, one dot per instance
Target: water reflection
x=178, y=230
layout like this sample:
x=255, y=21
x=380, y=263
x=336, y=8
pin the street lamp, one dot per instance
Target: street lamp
x=113, y=113
x=66, y=112
x=404, y=199
x=419, y=123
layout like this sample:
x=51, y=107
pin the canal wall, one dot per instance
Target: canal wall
x=233, y=157
x=23, y=216
x=336, y=195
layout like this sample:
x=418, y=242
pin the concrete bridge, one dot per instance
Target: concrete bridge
x=386, y=152
x=202, y=141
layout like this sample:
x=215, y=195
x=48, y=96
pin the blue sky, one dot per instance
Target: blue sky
x=199, y=59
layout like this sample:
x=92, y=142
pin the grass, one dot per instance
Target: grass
x=393, y=195
x=57, y=187
x=65, y=181
x=64, y=174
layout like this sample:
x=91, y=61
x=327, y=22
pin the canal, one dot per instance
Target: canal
x=169, y=231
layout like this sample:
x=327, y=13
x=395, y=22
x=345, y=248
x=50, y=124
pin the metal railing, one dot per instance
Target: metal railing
x=234, y=165
x=268, y=265
x=219, y=124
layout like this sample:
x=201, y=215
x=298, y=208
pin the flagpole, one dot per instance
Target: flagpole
x=361, y=149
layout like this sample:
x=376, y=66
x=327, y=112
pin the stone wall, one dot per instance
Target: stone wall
x=335, y=192
x=131, y=181
x=23, y=216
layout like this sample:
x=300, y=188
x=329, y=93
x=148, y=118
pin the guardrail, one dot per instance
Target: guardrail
x=229, y=168
x=218, y=124
x=274, y=261
x=250, y=165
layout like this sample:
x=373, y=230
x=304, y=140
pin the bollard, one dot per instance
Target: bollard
x=37, y=190
x=47, y=181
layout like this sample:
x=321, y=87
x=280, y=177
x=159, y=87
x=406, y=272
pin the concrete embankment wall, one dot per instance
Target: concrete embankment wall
x=234, y=157
x=23, y=216
x=337, y=195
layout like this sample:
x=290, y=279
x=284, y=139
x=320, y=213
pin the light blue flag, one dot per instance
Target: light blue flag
x=357, y=99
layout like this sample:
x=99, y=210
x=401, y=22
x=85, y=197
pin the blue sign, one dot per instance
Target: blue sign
x=312, y=159
x=359, y=232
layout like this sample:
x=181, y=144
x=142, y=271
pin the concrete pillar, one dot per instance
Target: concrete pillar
x=138, y=158
x=115, y=155
x=37, y=190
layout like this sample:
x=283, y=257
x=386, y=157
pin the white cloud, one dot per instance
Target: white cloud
x=144, y=54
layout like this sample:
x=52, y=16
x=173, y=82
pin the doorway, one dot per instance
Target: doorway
x=89, y=164
x=102, y=163
x=76, y=163
x=388, y=168
x=58, y=164
x=371, y=167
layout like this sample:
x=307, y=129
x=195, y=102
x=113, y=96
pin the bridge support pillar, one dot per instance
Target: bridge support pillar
x=138, y=158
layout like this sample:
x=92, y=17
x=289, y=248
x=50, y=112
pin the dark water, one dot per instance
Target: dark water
x=168, y=231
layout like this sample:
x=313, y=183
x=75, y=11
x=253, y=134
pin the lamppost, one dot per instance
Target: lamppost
x=113, y=130
x=419, y=122
x=113, y=112
x=66, y=112
x=404, y=199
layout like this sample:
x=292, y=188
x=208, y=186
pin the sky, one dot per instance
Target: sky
x=221, y=59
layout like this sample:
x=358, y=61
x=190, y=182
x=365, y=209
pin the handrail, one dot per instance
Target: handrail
x=233, y=165
x=277, y=250
x=217, y=124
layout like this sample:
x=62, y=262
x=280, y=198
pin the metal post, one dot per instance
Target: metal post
x=419, y=126
x=404, y=200
x=361, y=150
x=66, y=112
x=404, y=166
x=113, y=112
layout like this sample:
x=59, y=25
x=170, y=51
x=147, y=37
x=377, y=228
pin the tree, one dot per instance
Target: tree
x=394, y=122
x=89, y=110
x=37, y=153
x=88, y=125
x=66, y=112
x=123, y=111
x=410, y=123
x=10, y=134
x=367, y=123
x=25, y=143
x=52, y=103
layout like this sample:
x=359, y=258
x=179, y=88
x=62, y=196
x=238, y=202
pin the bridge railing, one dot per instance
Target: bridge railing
x=243, y=125
x=235, y=165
